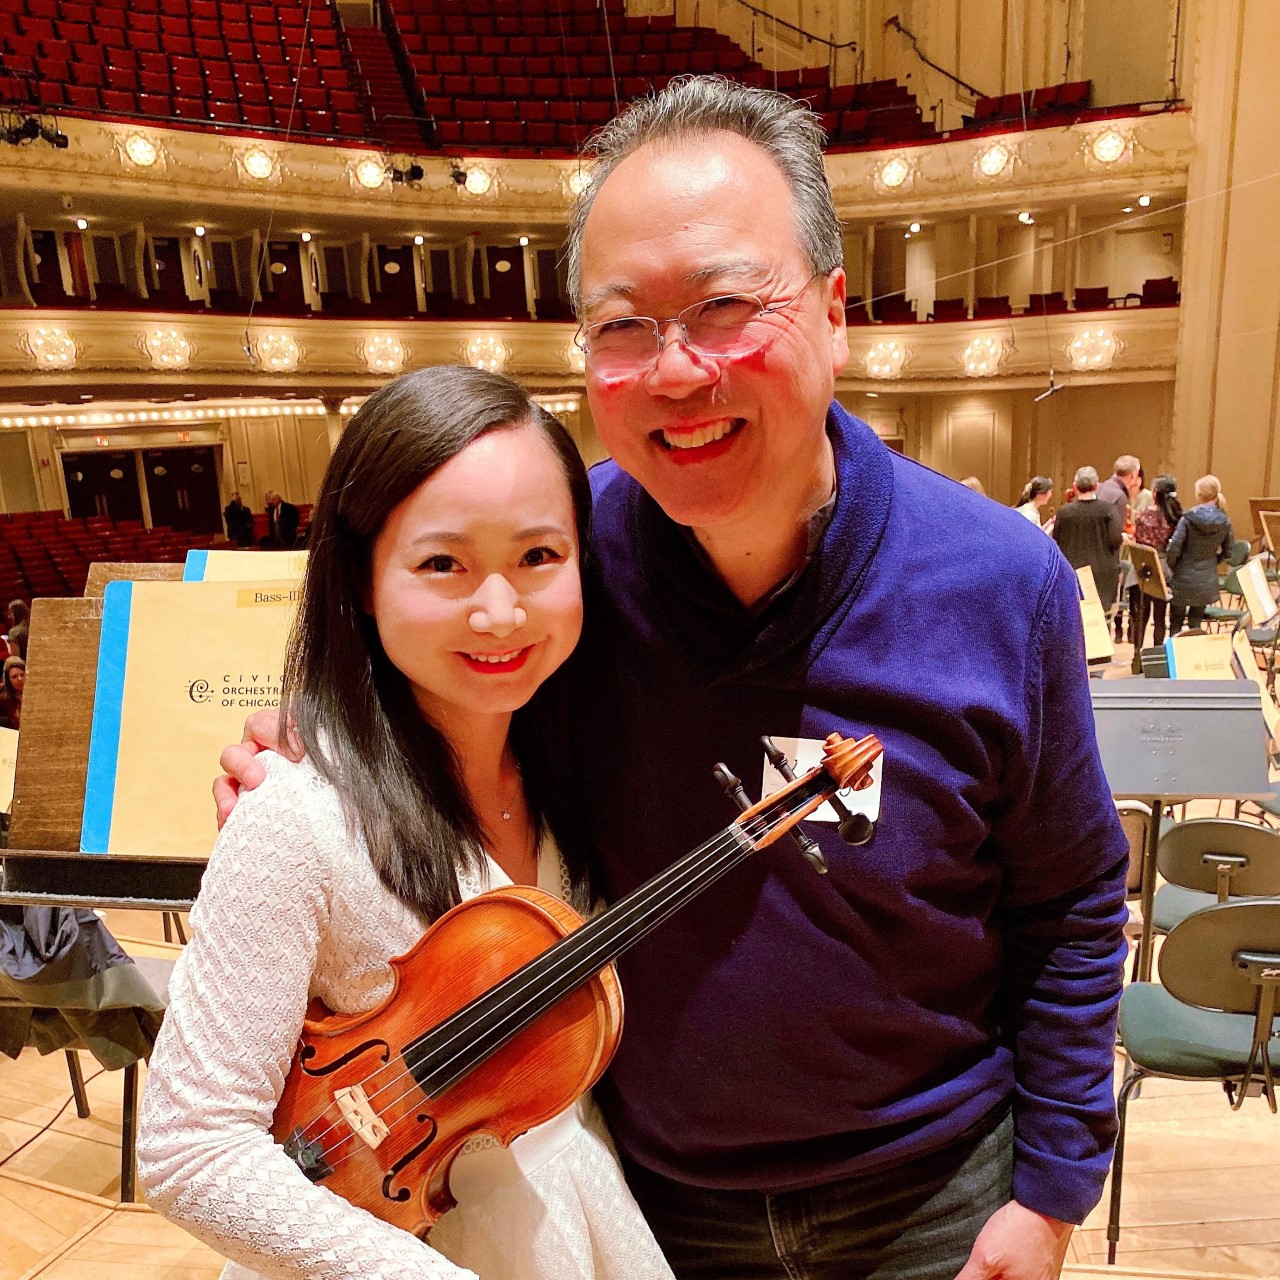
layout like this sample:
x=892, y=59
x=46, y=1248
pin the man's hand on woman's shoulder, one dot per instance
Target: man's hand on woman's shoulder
x=240, y=764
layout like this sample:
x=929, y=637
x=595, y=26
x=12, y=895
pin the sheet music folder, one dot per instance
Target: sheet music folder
x=1181, y=739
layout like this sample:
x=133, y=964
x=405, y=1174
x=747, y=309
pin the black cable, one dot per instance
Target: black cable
x=39, y=1133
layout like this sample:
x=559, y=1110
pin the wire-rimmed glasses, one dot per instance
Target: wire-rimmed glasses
x=728, y=325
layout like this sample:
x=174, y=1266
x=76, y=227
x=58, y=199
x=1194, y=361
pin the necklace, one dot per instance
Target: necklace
x=515, y=791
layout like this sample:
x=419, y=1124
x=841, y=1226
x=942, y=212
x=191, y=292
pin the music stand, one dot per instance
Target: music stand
x=1256, y=507
x=1150, y=574
x=1169, y=741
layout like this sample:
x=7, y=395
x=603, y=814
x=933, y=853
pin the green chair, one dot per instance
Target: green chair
x=1211, y=1017
x=1208, y=860
x=1231, y=612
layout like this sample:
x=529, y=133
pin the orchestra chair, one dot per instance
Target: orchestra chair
x=1212, y=1016
x=1204, y=861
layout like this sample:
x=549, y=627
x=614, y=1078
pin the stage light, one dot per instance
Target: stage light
x=994, y=160
x=141, y=150
x=885, y=359
x=371, y=173
x=982, y=356
x=1109, y=146
x=384, y=353
x=894, y=172
x=258, y=164
x=55, y=137
x=487, y=352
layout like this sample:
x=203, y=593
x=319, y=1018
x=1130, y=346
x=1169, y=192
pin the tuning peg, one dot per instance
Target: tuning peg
x=813, y=855
x=731, y=785
x=853, y=828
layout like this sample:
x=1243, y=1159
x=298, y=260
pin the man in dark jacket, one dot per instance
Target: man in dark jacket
x=1089, y=532
x=1122, y=486
x=282, y=523
x=239, y=522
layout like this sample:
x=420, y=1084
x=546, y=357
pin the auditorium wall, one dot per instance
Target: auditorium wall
x=1004, y=436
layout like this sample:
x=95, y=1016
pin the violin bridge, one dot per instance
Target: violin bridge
x=364, y=1122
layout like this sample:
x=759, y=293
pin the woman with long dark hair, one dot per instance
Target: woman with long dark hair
x=1036, y=494
x=442, y=591
x=1154, y=527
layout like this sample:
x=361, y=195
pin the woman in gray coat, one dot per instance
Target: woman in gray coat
x=1202, y=538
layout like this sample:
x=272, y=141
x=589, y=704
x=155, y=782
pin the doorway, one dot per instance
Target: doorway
x=182, y=487
x=102, y=484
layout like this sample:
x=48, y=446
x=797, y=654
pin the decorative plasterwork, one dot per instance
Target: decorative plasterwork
x=112, y=352
x=206, y=170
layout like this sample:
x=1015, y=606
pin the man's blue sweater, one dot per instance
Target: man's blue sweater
x=790, y=1028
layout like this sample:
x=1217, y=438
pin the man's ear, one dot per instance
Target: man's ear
x=835, y=317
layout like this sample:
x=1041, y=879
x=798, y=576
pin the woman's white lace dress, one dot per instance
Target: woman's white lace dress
x=291, y=909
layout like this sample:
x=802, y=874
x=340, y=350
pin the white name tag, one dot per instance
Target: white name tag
x=806, y=754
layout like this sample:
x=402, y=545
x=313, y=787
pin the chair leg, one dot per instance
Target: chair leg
x=129, y=1134
x=1131, y=1081
x=172, y=925
x=77, y=1084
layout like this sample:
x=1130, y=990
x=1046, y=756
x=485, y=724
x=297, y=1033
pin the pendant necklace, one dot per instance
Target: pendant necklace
x=506, y=810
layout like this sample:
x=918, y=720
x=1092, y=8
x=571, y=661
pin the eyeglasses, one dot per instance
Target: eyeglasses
x=716, y=327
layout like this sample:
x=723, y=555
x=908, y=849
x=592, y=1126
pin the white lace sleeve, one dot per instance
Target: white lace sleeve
x=239, y=994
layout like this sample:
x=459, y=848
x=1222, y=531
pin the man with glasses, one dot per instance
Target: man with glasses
x=901, y=1067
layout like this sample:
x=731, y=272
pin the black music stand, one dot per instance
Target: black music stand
x=1168, y=741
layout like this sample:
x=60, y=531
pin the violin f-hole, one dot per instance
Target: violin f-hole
x=309, y=1052
x=403, y=1193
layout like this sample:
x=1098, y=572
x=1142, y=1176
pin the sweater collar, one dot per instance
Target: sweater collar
x=723, y=637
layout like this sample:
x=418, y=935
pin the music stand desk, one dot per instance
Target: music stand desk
x=1169, y=741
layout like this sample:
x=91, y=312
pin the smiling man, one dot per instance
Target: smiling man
x=903, y=1067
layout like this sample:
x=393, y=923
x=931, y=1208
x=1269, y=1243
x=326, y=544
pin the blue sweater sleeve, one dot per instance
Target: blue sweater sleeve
x=1065, y=858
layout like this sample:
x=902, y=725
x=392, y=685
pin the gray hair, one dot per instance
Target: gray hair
x=1086, y=480
x=1127, y=465
x=785, y=129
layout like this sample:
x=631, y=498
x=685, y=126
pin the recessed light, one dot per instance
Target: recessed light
x=1127, y=209
x=524, y=240
x=873, y=395
x=417, y=239
x=81, y=225
x=1144, y=201
x=306, y=237
x=915, y=226
x=199, y=231
x=1026, y=218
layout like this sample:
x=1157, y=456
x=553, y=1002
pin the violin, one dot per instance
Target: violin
x=502, y=1015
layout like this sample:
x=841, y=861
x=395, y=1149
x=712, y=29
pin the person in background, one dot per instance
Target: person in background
x=15, y=679
x=972, y=482
x=1203, y=537
x=1088, y=532
x=1120, y=488
x=1153, y=528
x=239, y=522
x=282, y=523
x=1037, y=494
x=19, y=626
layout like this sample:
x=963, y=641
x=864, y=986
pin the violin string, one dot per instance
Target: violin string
x=729, y=842
x=713, y=859
x=527, y=1013
x=722, y=841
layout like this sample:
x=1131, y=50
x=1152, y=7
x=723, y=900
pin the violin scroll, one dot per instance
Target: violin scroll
x=849, y=760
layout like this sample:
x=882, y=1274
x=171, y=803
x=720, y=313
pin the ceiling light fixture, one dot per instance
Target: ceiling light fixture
x=1109, y=146
x=894, y=172
x=199, y=230
x=258, y=164
x=1144, y=201
x=994, y=160
x=141, y=150
x=370, y=173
